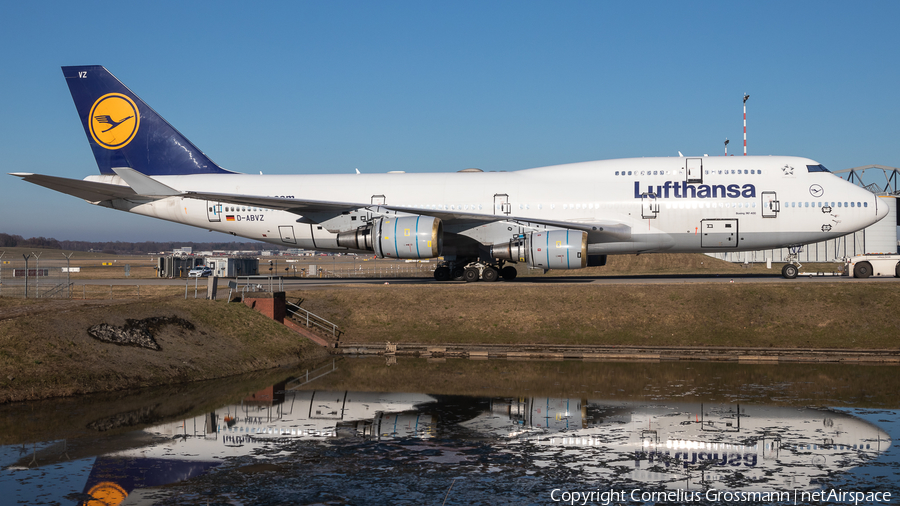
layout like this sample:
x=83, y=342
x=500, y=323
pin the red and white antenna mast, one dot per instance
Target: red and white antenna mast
x=746, y=96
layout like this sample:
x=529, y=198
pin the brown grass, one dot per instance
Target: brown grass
x=673, y=264
x=783, y=315
x=49, y=353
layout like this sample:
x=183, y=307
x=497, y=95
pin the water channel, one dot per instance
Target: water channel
x=367, y=431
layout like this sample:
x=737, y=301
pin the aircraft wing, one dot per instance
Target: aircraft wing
x=297, y=206
x=88, y=190
x=319, y=211
x=316, y=211
x=456, y=218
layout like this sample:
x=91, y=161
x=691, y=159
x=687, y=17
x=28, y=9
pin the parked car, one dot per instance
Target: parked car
x=200, y=272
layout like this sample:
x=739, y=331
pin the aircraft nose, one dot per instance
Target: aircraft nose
x=881, y=208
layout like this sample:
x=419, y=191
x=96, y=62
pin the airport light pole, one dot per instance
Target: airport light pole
x=68, y=273
x=37, y=282
x=26, y=257
x=746, y=96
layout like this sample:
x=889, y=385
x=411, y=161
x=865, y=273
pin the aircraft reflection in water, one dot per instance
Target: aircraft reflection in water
x=272, y=416
x=692, y=445
x=660, y=445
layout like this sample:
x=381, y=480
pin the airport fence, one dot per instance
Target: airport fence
x=41, y=277
x=51, y=279
x=391, y=270
x=31, y=279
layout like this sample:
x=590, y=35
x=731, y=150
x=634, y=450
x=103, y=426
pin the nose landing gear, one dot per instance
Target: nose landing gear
x=792, y=269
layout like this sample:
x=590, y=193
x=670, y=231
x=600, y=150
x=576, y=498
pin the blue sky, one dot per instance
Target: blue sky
x=328, y=87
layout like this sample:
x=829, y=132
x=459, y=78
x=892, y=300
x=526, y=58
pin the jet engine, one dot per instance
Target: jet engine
x=399, y=237
x=552, y=249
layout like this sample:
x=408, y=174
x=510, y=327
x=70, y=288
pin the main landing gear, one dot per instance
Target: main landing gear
x=471, y=270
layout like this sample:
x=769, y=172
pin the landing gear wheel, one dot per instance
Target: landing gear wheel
x=471, y=275
x=490, y=274
x=509, y=273
x=897, y=271
x=457, y=273
x=862, y=270
x=789, y=271
x=442, y=274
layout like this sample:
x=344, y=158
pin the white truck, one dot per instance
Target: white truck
x=863, y=266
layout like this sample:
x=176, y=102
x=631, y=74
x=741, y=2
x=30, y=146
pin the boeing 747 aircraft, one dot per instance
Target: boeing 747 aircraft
x=561, y=217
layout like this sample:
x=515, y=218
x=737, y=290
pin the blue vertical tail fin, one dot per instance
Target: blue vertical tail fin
x=123, y=131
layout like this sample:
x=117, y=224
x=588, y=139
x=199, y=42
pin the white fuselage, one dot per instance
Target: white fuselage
x=703, y=204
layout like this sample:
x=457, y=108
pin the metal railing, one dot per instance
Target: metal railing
x=260, y=283
x=251, y=284
x=300, y=315
x=316, y=374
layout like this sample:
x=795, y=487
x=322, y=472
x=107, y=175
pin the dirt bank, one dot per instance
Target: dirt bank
x=46, y=351
x=840, y=315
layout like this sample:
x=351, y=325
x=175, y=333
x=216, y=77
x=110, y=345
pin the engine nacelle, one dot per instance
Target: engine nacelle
x=552, y=249
x=400, y=237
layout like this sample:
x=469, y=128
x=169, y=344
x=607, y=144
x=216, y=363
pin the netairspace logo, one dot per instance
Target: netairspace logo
x=713, y=496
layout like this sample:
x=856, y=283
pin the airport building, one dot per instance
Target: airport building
x=176, y=266
x=880, y=238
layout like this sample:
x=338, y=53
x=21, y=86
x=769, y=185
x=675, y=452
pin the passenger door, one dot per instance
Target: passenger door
x=770, y=205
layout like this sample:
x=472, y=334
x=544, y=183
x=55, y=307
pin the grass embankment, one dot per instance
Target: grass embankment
x=45, y=350
x=673, y=264
x=846, y=315
x=127, y=410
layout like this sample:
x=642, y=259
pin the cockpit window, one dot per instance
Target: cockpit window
x=816, y=168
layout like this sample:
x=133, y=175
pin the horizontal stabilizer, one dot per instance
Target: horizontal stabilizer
x=143, y=185
x=87, y=190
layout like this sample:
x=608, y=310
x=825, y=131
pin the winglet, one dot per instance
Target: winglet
x=143, y=185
